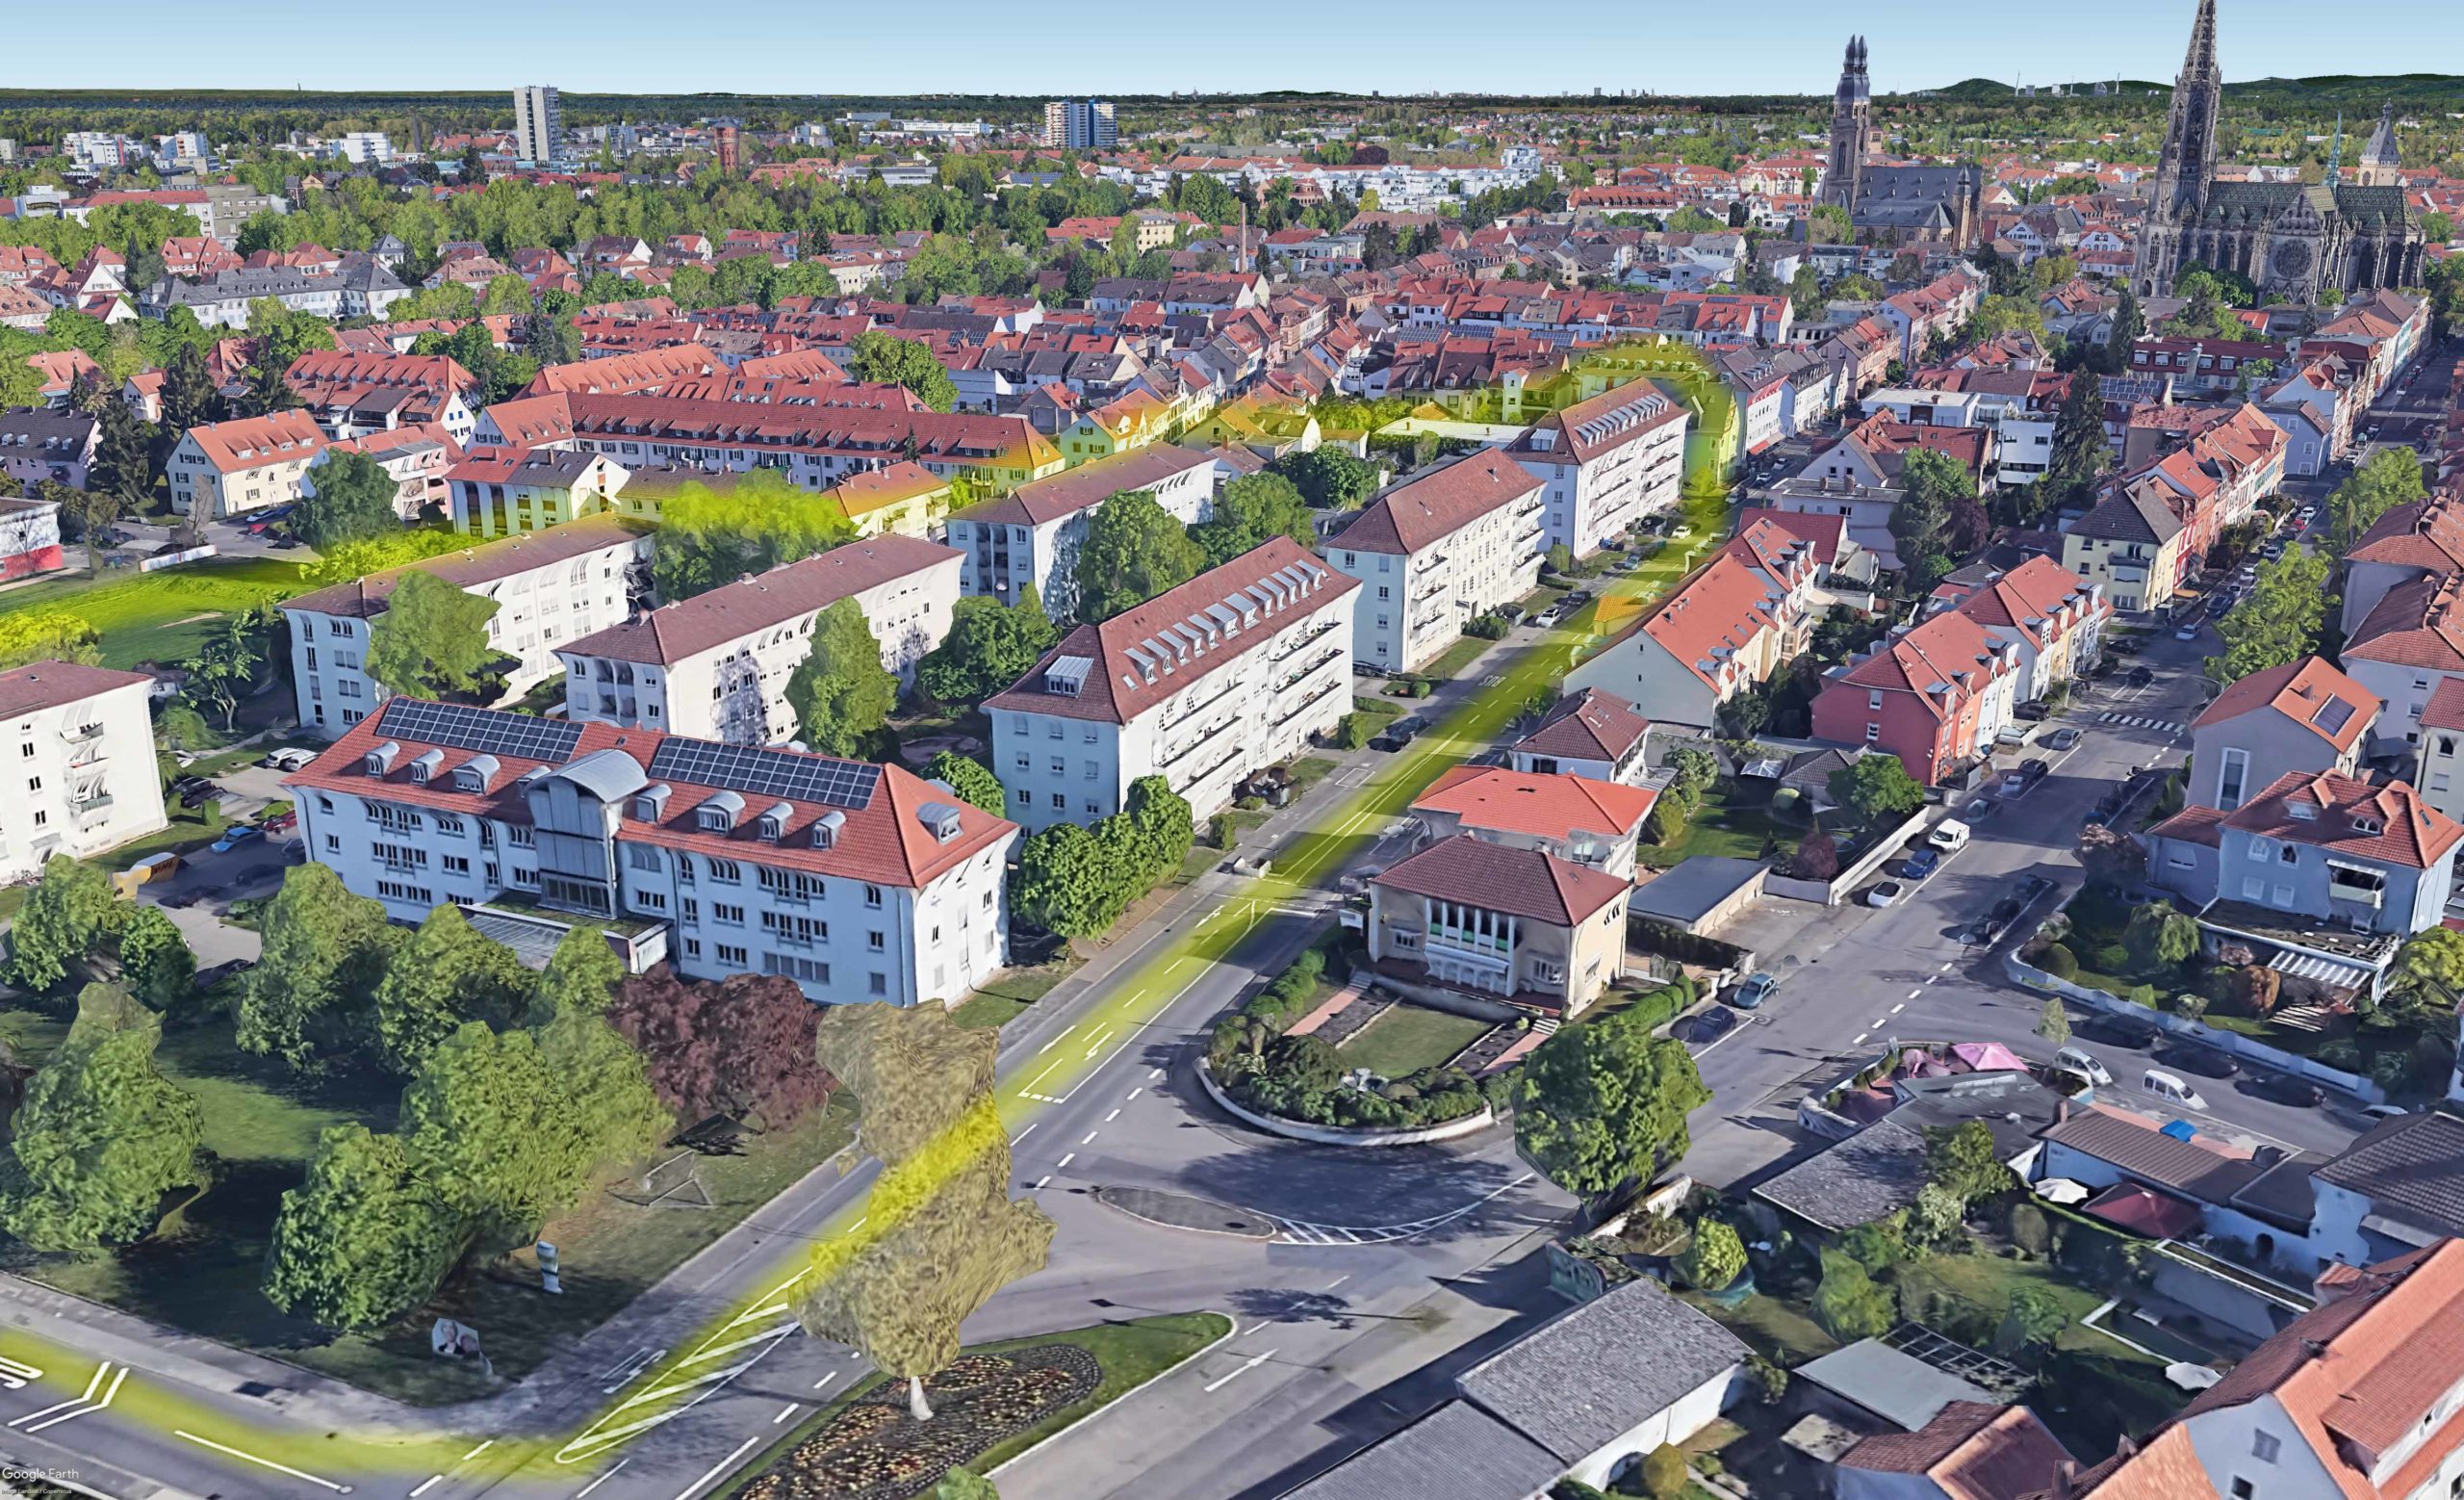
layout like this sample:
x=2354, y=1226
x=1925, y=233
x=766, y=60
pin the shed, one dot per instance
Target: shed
x=1701, y=894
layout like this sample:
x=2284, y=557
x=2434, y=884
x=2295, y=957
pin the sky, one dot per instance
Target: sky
x=1155, y=46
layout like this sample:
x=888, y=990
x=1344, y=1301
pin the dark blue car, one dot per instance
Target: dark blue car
x=1919, y=865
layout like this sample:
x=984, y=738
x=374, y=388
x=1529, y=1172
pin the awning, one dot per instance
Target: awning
x=2334, y=973
x=2062, y=1191
x=2128, y=1205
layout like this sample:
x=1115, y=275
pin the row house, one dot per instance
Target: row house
x=2053, y=620
x=2316, y=405
x=904, y=498
x=1030, y=537
x=1936, y=695
x=2130, y=544
x=550, y=587
x=83, y=781
x=351, y=395
x=2408, y=645
x=1941, y=306
x=2312, y=847
x=2153, y=523
x=509, y=491
x=858, y=882
x=1760, y=393
x=1435, y=552
x=2206, y=367
x=816, y=446
x=2302, y=716
x=2422, y=538
x=1236, y=670
x=194, y=256
x=1723, y=632
x=717, y=665
x=646, y=373
x=223, y=469
x=1608, y=463
x=363, y=288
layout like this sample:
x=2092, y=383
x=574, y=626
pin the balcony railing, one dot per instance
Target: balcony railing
x=81, y=733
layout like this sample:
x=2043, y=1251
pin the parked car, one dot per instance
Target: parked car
x=1884, y=895
x=2086, y=1064
x=2036, y=768
x=2141, y=677
x=2205, y=1061
x=1402, y=732
x=1704, y=1025
x=287, y=760
x=2187, y=633
x=195, y=791
x=2123, y=1031
x=236, y=835
x=1546, y=619
x=2061, y=740
x=2032, y=711
x=1682, y=532
x=1756, y=989
x=1921, y=863
x=281, y=822
x=2283, y=1088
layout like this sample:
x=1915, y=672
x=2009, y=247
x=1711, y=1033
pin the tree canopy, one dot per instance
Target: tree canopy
x=325, y=951
x=763, y=519
x=348, y=498
x=1877, y=788
x=1602, y=1104
x=1328, y=477
x=742, y=1047
x=2279, y=619
x=447, y=974
x=840, y=693
x=887, y=359
x=971, y=779
x=1134, y=550
x=101, y=1135
x=1249, y=511
x=365, y=1238
x=990, y=645
x=432, y=640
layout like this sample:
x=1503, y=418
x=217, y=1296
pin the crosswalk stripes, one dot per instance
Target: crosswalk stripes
x=2140, y=721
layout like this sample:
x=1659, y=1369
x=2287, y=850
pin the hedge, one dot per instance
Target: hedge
x=1687, y=947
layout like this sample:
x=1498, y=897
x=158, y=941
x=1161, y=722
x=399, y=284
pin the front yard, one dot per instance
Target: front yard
x=1408, y=1038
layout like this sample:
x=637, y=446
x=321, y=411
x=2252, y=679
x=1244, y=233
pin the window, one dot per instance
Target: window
x=2264, y=1447
x=730, y=954
x=873, y=897
x=879, y=984
x=1873, y=732
x=642, y=857
x=2242, y=1489
x=33, y=784
x=26, y=749
x=730, y=915
x=874, y=943
x=2230, y=779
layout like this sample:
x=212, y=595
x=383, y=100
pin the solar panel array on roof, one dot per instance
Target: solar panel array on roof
x=768, y=773
x=466, y=728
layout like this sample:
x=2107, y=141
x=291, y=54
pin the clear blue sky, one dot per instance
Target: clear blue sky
x=866, y=47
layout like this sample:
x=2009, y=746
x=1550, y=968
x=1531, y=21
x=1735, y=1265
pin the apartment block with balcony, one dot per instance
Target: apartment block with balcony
x=860, y=882
x=1514, y=927
x=1231, y=672
x=224, y=469
x=1435, y=552
x=78, y=746
x=550, y=587
x=717, y=665
x=1607, y=463
x=1031, y=536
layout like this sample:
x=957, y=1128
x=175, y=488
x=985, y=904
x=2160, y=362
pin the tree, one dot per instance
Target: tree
x=1065, y=882
x=155, y=959
x=1603, y=1103
x=1328, y=477
x=364, y=1239
x=971, y=779
x=1665, y=1474
x=1715, y=1258
x=48, y=636
x=101, y=1136
x=942, y=1233
x=190, y=397
x=1134, y=550
x=2053, y=1023
x=1963, y=1159
x=710, y=537
x=348, y=498
x=1252, y=510
x=840, y=693
x=887, y=359
x=227, y=665
x=2392, y=477
x=2034, y=1319
x=990, y=646
x=2081, y=452
x=551, y=338
x=1934, y=485
x=2158, y=935
x=71, y=912
x=2112, y=858
x=2000, y=315
x=123, y=457
x=581, y=975
x=324, y=952
x=2279, y=621
x=432, y=640
x=1850, y=1304
x=2428, y=970
x=742, y=1047
x=1937, y=1220
x=446, y=974
x=1877, y=789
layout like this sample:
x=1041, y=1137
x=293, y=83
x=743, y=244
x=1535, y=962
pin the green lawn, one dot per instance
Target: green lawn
x=1985, y=1283
x=1409, y=1038
x=1777, y=1330
x=1131, y=1352
x=1455, y=659
x=1725, y=827
x=1309, y=770
x=1004, y=997
x=161, y=616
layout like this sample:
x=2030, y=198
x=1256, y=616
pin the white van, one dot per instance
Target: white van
x=1950, y=836
x=2174, y=1091
x=2085, y=1065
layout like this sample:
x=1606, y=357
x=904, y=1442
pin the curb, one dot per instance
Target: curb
x=1231, y=1326
x=1340, y=1135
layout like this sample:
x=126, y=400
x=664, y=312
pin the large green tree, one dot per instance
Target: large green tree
x=887, y=359
x=432, y=640
x=1134, y=550
x=1065, y=882
x=990, y=645
x=1602, y=1104
x=2279, y=620
x=840, y=693
x=971, y=779
x=581, y=975
x=1963, y=1159
x=324, y=952
x=48, y=636
x=349, y=499
x=1329, y=478
x=2391, y=477
x=155, y=960
x=1877, y=788
x=71, y=913
x=101, y=1136
x=758, y=522
x=1252, y=510
x=364, y=1239
x=1850, y=1303
x=2429, y=970
x=444, y=975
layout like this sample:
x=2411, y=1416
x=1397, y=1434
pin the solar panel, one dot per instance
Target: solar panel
x=485, y=729
x=768, y=773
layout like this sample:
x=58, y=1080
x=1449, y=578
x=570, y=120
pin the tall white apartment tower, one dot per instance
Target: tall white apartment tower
x=1080, y=125
x=538, y=124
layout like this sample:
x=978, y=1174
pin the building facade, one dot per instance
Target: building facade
x=1518, y=926
x=83, y=777
x=1437, y=552
x=1031, y=536
x=538, y=124
x=1607, y=463
x=226, y=469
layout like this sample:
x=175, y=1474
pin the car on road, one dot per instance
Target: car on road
x=2141, y=677
x=2283, y=1088
x=2123, y=1031
x=2205, y=1061
x=1402, y=732
x=1921, y=863
x=2125, y=645
x=2032, y=711
x=236, y=835
x=1884, y=895
x=1977, y=809
x=1756, y=989
x=2036, y=768
x=2061, y=740
x=2013, y=785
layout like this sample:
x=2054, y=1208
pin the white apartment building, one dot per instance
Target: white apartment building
x=363, y=148
x=550, y=586
x=861, y=882
x=224, y=469
x=1431, y=554
x=1032, y=535
x=1202, y=684
x=81, y=779
x=538, y=123
x=1607, y=463
x=717, y=665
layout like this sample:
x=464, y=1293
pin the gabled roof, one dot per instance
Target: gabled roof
x=2314, y=695
x=2388, y=825
x=1575, y=1384
x=49, y=685
x=2029, y=599
x=1590, y=724
x=1546, y=807
x=1088, y=485
x=706, y=621
x=1424, y=510
x=473, y=568
x=2419, y=623
x=1941, y=661
x=253, y=442
x=1524, y=882
x=1972, y=1450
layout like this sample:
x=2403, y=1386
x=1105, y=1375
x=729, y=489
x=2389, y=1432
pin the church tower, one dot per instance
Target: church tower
x=2379, y=159
x=1852, y=129
x=2187, y=164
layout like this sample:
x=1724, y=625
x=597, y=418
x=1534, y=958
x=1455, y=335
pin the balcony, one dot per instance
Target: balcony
x=1302, y=643
x=1338, y=685
x=82, y=734
x=1302, y=673
x=82, y=807
x=1464, y=948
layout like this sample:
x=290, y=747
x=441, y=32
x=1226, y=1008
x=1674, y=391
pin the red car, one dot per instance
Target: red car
x=281, y=822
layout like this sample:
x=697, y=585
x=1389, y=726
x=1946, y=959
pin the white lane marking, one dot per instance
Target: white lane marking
x=716, y=1470
x=1337, y=1281
x=1895, y=1010
x=741, y=1343
x=1028, y=1131
x=1253, y=1327
x=475, y=1452
x=1860, y=1039
x=1097, y=1045
x=426, y=1485
x=1882, y=1020
x=601, y=1480
x=601, y=1437
x=1056, y=1040
x=1946, y=966
x=1108, y=1120
x=825, y=1379
x=1929, y=978
x=787, y=1411
x=1065, y=1161
x=1157, y=1074
x=279, y=1468
x=631, y=1366
x=1134, y=1093
x=1039, y=1182
x=1212, y=1386
x=1090, y=1138
x=1913, y=994
x=88, y=1403
x=93, y=1385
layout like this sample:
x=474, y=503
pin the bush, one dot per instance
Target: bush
x=1666, y=824
x=2142, y=995
x=1665, y=1476
x=2059, y=962
x=1352, y=732
x=1770, y=1381
x=2340, y=1053
x=2110, y=958
x=2190, y=1007
x=1487, y=627
x=1422, y=687
x=2029, y=1231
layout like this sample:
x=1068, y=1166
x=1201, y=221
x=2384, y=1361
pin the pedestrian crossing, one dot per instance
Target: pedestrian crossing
x=2140, y=721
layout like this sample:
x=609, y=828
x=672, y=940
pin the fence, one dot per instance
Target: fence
x=2232, y=1042
x=1833, y=891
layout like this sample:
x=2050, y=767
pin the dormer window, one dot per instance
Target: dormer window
x=2301, y=812
x=718, y=815
x=772, y=822
x=945, y=822
x=650, y=804
x=827, y=828
x=2367, y=825
x=381, y=760
x=426, y=764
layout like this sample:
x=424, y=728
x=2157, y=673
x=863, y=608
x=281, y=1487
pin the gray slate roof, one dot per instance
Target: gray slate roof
x=1691, y=888
x=1457, y=1452
x=1896, y=1386
x=2410, y=1169
x=1873, y=1173
x=1585, y=1379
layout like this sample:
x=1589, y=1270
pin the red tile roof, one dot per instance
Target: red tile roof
x=1524, y=882
x=1590, y=724
x=1972, y=1450
x=1941, y=661
x=1420, y=513
x=2424, y=533
x=253, y=442
x=689, y=627
x=1088, y=485
x=2390, y=825
x=2446, y=707
x=2311, y=693
x=1545, y=807
x=2419, y=623
x=48, y=685
x=2033, y=599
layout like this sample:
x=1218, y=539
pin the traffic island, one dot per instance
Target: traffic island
x=1187, y=1212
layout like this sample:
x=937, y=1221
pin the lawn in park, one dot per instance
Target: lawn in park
x=161, y=616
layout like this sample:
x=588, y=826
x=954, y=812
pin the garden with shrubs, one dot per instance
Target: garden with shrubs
x=1701, y=812
x=1303, y=1078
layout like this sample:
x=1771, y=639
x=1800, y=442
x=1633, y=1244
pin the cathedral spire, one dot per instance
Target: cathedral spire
x=2200, y=62
x=1851, y=129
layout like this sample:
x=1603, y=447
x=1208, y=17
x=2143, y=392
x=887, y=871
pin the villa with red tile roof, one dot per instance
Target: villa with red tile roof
x=1597, y=824
x=2316, y=847
x=1935, y=694
x=2302, y=716
x=1517, y=928
x=226, y=469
